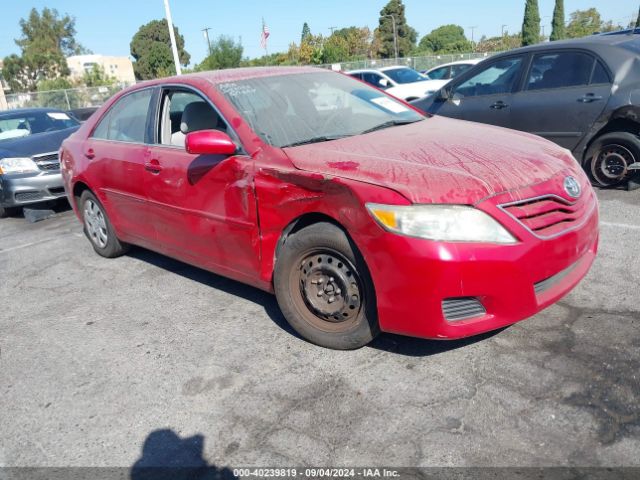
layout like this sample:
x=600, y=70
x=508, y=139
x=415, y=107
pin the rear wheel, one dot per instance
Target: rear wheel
x=324, y=288
x=98, y=229
x=610, y=156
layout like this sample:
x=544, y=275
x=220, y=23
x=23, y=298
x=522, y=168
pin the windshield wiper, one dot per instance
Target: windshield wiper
x=322, y=138
x=390, y=123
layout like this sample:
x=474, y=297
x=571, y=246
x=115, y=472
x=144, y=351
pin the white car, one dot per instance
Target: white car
x=450, y=70
x=401, y=82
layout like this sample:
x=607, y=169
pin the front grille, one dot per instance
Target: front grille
x=462, y=308
x=550, y=215
x=47, y=161
x=548, y=283
x=56, y=191
x=27, y=196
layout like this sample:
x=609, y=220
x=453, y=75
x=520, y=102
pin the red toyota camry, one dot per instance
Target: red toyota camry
x=359, y=213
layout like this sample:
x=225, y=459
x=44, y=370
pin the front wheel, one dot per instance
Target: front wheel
x=609, y=158
x=98, y=228
x=8, y=211
x=324, y=288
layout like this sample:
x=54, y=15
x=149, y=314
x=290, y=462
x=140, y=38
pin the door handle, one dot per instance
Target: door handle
x=153, y=166
x=90, y=154
x=499, y=105
x=589, y=97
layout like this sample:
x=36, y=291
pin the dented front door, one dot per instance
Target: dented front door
x=204, y=210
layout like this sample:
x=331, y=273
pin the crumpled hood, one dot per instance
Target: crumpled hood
x=438, y=160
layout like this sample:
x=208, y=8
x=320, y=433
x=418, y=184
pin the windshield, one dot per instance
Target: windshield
x=404, y=75
x=15, y=125
x=302, y=108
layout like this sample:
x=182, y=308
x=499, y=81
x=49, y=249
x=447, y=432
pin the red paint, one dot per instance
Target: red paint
x=228, y=213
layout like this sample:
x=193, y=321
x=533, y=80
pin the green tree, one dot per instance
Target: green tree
x=97, y=77
x=407, y=36
x=558, y=29
x=499, y=44
x=306, y=32
x=358, y=41
x=151, y=49
x=225, y=53
x=445, y=39
x=46, y=39
x=531, y=23
x=584, y=23
x=638, y=20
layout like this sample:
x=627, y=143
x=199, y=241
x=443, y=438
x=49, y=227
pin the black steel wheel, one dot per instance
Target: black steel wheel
x=324, y=288
x=610, y=157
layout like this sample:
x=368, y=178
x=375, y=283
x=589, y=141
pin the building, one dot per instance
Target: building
x=119, y=68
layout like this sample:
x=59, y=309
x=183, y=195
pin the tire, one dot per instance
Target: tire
x=98, y=228
x=8, y=211
x=324, y=288
x=609, y=157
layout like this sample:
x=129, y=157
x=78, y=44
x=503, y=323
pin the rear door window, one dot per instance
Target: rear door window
x=560, y=70
x=126, y=121
x=441, y=73
x=600, y=75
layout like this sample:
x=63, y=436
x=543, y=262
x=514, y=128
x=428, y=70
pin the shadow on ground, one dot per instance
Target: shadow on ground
x=166, y=456
x=413, y=347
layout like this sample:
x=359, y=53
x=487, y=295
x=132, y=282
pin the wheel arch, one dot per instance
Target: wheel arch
x=79, y=188
x=625, y=119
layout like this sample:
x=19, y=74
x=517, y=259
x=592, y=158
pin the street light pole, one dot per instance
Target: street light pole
x=395, y=34
x=172, y=36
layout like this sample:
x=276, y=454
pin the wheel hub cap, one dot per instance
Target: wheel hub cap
x=330, y=287
x=96, y=224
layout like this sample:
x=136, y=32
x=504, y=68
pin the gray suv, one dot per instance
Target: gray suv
x=29, y=164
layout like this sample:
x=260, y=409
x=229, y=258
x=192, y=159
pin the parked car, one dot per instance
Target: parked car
x=451, y=70
x=29, y=166
x=582, y=94
x=401, y=82
x=362, y=218
x=82, y=114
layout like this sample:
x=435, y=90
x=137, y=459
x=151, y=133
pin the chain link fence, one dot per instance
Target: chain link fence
x=417, y=63
x=64, y=99
x=96, y=96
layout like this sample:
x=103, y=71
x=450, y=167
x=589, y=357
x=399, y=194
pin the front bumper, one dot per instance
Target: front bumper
x=24, y=189
x=417, y=280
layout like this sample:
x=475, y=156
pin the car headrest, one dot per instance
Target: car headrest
x=198, y=116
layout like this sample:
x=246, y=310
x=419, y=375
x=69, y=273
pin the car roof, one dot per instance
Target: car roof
x=27, y=111
x=237, y=74
x=471, y=61
x=393, y=67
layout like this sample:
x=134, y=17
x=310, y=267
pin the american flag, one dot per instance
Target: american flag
x=265, y=35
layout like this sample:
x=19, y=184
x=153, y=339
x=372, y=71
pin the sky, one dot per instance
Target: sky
x=107, y=26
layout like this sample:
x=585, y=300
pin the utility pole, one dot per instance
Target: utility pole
x=206, y=37
x=172, y=36
x=473, y=29
x=395, y=34
x=503, y=27
x=332, y=29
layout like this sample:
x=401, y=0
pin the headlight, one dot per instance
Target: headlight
x=18, y=165
x=448, y=223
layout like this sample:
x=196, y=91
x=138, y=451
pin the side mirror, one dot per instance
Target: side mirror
x=210, y=142
x=444, y=94
x=383, y=83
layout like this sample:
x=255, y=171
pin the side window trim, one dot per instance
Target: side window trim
x=156, y=124
x=107, y=115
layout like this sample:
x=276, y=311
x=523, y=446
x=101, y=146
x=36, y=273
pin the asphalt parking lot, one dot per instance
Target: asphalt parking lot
x=102, y=357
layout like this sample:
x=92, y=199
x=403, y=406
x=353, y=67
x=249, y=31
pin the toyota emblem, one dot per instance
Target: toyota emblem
x=572, y=187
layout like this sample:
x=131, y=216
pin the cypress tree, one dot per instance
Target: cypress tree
x=531, y=24
x=558, y=32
